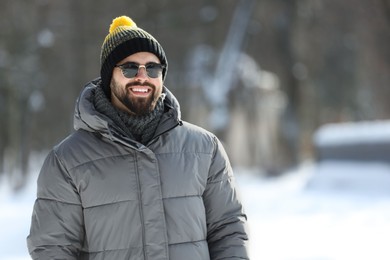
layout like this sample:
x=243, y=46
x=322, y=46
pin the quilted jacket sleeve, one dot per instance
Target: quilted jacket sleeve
x=226, y=222
x=57, y=221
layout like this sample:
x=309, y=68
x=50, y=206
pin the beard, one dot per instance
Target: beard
x=137, y=105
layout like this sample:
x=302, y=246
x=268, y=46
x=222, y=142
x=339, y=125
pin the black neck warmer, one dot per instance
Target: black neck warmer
x=140, y=128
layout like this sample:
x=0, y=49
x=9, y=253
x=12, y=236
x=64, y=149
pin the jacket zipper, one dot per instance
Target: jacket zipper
x=140, y=207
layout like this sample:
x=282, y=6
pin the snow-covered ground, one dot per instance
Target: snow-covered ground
x=303, y=215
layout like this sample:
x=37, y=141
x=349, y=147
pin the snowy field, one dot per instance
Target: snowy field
x=301, y=216
x=332, y=211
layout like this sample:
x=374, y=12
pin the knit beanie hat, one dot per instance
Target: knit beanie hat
x=125, y=39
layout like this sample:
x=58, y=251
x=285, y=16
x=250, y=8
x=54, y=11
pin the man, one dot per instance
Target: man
x=134, y=181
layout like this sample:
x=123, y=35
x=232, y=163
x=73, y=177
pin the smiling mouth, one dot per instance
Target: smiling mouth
x=139, y=91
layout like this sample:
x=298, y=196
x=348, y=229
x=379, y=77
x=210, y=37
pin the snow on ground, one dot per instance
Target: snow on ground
x=296, y=217
x=302, y=215
x=15, y=215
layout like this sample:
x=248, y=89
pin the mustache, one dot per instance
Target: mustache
x=145, y=84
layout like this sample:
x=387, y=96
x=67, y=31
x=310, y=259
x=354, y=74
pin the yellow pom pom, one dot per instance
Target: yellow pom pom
x=121, y=21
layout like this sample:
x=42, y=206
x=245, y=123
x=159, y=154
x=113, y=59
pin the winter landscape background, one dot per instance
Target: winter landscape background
x=262, y=75
x=270, y=78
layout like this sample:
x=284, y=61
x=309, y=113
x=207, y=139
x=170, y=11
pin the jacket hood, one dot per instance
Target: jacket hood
x=86, y=117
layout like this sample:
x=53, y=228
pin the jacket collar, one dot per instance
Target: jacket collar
x=86, y=117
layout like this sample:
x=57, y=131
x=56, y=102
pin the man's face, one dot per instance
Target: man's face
x=137, y=95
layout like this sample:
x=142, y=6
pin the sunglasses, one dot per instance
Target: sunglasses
x=130, y=69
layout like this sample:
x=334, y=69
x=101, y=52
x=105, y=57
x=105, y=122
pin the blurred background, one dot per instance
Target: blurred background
x=263, y=75
x=281, y=82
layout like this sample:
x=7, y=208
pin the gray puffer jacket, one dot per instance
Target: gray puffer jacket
x=103, y=196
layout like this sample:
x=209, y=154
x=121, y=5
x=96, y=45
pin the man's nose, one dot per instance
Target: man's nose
x=142, y=74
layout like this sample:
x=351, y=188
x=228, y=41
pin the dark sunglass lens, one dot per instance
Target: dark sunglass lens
x=130, y=70
x=154, y=70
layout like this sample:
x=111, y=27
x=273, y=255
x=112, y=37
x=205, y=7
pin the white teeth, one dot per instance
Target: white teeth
x=143, y=90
